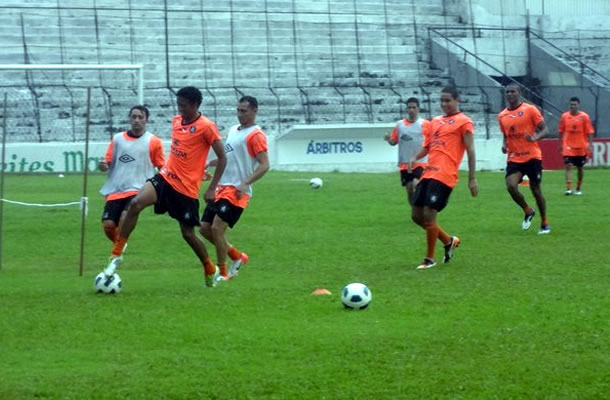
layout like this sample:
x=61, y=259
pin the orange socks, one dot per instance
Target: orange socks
x=208, y=267
x=569, y=185
x=234, y=254
x=117, y=250
x=224, y=271
x=544, y=222
x=528, y=209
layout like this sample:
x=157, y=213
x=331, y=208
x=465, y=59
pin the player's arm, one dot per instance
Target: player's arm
x=472, y=163
x=560, y=131
x=541, y=132
x=392, y=137
x=104, y=164
x=219, y=150
x=261, y=169
x=420, y=154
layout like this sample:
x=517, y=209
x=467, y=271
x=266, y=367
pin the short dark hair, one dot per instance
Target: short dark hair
x=576, y=99
x=252, y=102
x=412, y=100
x=191, y=94
x=141, y=108
x=513, y=85
x=452, y=91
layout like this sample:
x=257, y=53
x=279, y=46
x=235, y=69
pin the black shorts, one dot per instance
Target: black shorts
x=432, y=193
x=226, y=210
x=406, y=176
x=531, y=168
x=180, y=207
x=577, y=161
x=114, y=208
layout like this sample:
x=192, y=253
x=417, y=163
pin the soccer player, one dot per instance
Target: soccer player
x=450, y=135
x=575, y=142
x=247, y=162
x=131, y=158
x=175, y=189
x=409, y=134
x=522, y=126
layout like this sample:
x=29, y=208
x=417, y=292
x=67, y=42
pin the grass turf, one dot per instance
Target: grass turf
x=514, y=315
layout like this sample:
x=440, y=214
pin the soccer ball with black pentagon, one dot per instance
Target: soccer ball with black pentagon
x=356, y=296
x=107, y=285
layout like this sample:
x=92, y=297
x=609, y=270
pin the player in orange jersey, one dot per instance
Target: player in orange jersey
x=575, y=142
x=131, y=158
x=522, y=126
x=247, y=162
x=175, y=189
x=409, y=135
x=450, y=136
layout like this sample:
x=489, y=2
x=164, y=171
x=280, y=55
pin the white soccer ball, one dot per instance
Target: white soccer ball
x=106, y=285
x=356, y=296
x=316, y=183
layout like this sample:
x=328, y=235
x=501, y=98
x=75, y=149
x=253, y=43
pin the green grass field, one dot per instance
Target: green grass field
x=513, y=316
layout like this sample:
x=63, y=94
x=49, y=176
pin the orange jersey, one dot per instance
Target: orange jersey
x=446, y=147
x=575, y=131
x=516, y=125
x=413, y=144
x=188, y=154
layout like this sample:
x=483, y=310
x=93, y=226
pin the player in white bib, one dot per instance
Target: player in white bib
x=131, y=159
x=247, y=162
x=409, y=134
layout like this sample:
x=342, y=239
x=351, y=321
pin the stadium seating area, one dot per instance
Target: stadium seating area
x=307, y=61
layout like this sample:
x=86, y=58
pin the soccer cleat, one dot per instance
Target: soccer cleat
x=544, y=230
x=450, y=247
x=578, y=193
x=567, y=192
x=212, y=279
x=112, y=266
x=427, y=263
x=236, y=265
x=527, y=220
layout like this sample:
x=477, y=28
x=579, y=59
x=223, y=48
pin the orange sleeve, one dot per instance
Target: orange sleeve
x=426, y=128
x=467, y=126
x=536, y=116
x=211, y=134
x=500, y=125
x=394, y=137
x=256, y=143
x=428, y=135
x=562, y=124
x=157, y=157
x=108, y=156
x=589, y=129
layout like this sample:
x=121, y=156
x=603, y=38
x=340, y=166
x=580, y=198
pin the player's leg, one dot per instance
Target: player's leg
x=568, y=175
x=581, y=173
x=535, y=175
x=431, y=227
x=219, y=227
x=110, y=229
x=512, y=179
x=189, y=235
x=206, y=222
x=145, y=197
x=410, y=187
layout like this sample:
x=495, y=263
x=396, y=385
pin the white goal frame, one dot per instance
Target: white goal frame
x=139, y=68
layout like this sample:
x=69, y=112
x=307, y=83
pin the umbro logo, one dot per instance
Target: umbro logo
x=126, y=158
x=405, y=138
x=228, y=148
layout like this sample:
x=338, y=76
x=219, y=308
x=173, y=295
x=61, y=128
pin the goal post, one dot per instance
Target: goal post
x=139, y=68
